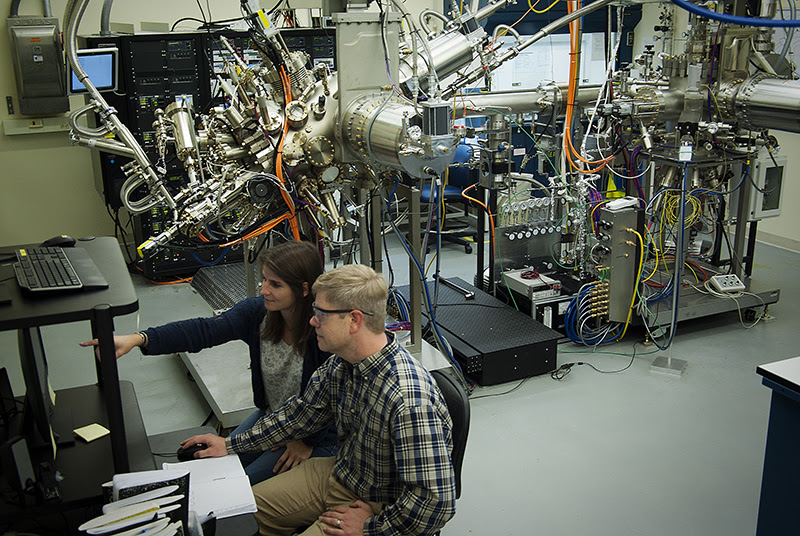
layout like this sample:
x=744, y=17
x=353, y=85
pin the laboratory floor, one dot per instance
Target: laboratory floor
x=635, y=452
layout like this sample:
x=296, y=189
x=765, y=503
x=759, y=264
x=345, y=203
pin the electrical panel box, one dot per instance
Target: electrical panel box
x=768, y=176
x=37, y=54
x=619, y=251
x=360, y=41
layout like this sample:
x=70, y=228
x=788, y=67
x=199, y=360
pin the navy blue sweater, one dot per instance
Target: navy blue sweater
x=241, y=322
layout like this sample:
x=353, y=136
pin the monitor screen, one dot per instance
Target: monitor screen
x=38, y=403
x=100, y=65
x=44, y=424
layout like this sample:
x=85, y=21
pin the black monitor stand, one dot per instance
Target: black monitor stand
x=41, y=416
x=110, y=402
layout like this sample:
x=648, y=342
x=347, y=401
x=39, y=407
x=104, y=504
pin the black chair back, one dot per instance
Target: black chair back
x=458, y=406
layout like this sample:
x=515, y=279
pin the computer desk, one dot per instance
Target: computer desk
x=109, y=402
x=779, y=491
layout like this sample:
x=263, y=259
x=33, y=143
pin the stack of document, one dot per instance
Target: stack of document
x=218, y=487
x=157, y=503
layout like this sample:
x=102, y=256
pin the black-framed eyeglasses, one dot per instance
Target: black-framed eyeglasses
x=319, y=312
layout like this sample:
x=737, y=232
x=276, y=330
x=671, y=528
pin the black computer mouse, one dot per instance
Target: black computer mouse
x=186, y=454
x=60, y=241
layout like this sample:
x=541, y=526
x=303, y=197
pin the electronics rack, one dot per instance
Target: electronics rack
x=155, y=69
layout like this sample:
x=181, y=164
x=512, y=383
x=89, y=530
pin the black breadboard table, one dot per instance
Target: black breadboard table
x=493, y=342
x=223, y=285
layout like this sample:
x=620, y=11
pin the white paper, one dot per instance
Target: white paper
x=217, y=486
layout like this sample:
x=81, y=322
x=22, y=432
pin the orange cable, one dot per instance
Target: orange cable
x=261, y=230
x=182, y=280
x=569, y=148
x=485, y=208
x=287, y=92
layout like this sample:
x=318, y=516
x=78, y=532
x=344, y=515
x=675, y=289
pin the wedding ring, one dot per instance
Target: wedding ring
x=338, y=523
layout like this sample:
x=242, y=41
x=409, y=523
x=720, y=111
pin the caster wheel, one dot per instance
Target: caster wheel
x=468, y=249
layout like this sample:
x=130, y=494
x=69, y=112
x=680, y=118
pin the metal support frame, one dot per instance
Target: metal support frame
x=739, y=241
x=108, y=380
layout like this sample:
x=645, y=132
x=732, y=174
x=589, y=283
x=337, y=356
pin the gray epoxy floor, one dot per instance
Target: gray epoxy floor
x=631, y=453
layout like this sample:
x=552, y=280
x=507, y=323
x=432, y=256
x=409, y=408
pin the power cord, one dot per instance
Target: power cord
x=503, y=393
x=561, y=372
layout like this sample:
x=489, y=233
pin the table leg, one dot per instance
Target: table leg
x=108, y=381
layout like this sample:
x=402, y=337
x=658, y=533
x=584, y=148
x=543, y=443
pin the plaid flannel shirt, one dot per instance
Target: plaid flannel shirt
x=395, y=437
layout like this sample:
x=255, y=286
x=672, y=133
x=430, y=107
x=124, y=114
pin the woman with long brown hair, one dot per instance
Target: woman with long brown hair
x=283, y=348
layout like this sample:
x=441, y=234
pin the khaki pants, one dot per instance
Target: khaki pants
x=299, y=496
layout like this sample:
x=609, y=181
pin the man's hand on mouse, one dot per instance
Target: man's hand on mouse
x=216, y=445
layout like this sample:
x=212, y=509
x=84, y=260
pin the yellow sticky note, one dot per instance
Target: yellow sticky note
x=92, y=432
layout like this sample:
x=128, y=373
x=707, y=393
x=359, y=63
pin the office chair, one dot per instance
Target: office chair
x=458, y=405
x=459, y=178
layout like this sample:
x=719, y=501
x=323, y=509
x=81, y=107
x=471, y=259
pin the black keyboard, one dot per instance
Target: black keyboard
x=43, y=269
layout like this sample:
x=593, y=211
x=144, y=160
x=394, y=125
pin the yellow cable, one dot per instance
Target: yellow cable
x=545, y=10
x=488, y=212
x=692, y=269
x=591, y=215
x=636, y=283
x=655, y=268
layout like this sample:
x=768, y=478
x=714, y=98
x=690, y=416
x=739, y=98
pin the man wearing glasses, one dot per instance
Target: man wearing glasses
x=392, y=473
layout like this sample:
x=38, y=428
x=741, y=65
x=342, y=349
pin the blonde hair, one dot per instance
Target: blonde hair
x=355, y=286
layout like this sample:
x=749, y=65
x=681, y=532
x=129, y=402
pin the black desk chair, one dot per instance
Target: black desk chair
x=459, y=178
x=458, y=406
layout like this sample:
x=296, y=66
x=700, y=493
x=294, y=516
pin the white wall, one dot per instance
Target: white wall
x=48, y=187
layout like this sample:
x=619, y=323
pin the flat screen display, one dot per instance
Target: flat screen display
x=101, y=66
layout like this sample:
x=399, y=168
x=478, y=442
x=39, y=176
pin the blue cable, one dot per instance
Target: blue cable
x=662, y=293
x=678, y=265
x=741, y=181
x=211, y=263
x=733, y=19
x=422, y=275
x=570, y=318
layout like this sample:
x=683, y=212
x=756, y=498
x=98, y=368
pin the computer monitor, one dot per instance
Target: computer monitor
x=102, y=67
x=43, y=424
